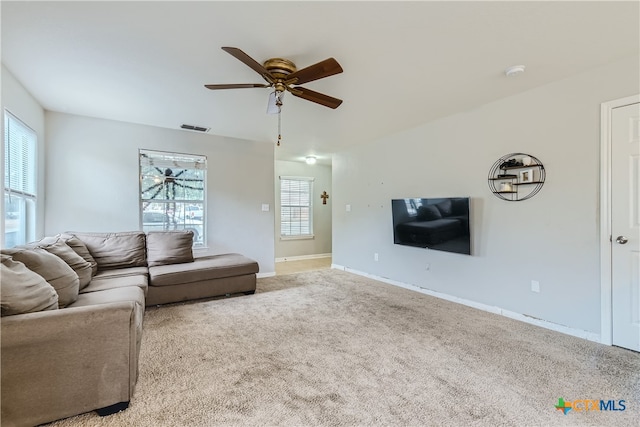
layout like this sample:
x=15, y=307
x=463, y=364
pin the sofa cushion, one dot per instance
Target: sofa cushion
x=73, y=260
x=23, y=291
x=169, y=247
x=129, y=293
x=201, y=269
x=53, y=269
x=121, y=272
x=116, y=250
x=428, y=213
x=113, y=282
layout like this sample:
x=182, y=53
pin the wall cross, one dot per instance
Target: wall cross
x=324, y=196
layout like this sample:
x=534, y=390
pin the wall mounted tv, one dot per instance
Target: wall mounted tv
x=441, y=224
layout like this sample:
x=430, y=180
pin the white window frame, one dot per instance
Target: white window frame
x=26, y=187
x=181, y=219
x=309, y=206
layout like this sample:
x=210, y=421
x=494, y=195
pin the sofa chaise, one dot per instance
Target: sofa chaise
x=72, y=315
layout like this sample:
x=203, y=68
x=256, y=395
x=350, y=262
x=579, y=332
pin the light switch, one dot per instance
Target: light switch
x=265, y=207
x=348, y=208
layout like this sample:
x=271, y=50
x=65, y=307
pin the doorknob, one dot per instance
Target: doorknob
x=622, y=240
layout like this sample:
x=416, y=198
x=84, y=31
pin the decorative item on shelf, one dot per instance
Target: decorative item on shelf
x=324, y=196
x=511, y=163
x=526, y=176
x=506, y=187
x=516, y=177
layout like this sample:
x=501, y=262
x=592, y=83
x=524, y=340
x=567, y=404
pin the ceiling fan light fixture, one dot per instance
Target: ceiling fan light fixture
x=275, y=102
x=311, y=160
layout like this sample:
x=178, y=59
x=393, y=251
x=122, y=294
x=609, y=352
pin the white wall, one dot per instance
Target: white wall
x=93, y=182
x=551, y=238
x=19, y=102
x=321, y=243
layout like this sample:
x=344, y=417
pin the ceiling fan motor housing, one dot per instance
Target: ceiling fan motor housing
x=279, y=67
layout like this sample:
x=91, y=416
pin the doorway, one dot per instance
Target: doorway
x=303, y=213
x=620, y=223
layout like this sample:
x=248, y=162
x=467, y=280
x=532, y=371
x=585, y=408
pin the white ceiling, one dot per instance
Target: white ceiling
x=405, y=63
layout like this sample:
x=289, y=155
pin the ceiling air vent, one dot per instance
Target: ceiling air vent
x=195, y=128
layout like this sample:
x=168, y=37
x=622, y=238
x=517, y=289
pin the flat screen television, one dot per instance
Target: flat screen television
x=441, y=224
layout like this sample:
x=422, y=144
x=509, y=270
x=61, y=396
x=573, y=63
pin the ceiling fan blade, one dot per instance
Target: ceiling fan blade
x=322, y=69
x=249, y=61
x=235, y=86
x=317, y=97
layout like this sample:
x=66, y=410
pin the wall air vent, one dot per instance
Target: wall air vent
x=195, y=128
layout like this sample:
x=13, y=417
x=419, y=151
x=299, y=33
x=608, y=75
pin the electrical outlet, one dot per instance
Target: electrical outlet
x=535, y=286
x=375, y=256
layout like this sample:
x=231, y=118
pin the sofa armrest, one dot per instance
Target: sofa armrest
x=65, y=362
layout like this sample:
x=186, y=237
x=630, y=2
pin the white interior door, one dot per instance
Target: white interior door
x=625, y=226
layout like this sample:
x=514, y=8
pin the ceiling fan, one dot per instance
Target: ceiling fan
x=282, y=75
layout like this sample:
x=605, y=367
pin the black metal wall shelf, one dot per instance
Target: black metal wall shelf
x=516, y=187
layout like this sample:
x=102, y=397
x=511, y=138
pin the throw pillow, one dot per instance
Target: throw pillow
x=23, y=291
x=73, y=260
x=81, y=249
x=428, y=213
x=72, y=241
x=116, y=250
x=54, y=270
x=169, y=247
x=49, y=240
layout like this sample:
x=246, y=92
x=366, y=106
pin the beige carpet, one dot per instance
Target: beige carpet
x=332, y=348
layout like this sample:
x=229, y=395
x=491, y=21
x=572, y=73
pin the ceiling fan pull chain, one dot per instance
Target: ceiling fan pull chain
x=279, y=128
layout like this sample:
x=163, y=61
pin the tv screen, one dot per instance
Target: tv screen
x=441, y=224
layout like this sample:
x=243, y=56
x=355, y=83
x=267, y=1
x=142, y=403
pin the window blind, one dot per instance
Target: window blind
x=296, y=210
x=19, y=157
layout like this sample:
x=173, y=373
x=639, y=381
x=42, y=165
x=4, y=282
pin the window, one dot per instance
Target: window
x=412, y=206
x=172, y=193
x=296, y=210
x=20, y=177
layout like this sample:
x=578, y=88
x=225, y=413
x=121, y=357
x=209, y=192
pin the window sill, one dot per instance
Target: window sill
x=305, y=237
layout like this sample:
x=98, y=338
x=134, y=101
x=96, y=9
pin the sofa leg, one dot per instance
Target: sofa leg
x=112, y=409
x=250, y=292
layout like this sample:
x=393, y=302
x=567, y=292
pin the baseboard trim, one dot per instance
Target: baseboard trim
x=263, y=275
x=590, y=336
x=302, y=257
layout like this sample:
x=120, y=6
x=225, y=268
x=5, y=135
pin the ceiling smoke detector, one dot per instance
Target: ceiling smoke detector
x=514, y=70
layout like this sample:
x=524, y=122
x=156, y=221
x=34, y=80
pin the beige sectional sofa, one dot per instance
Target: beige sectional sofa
x=72, y=315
